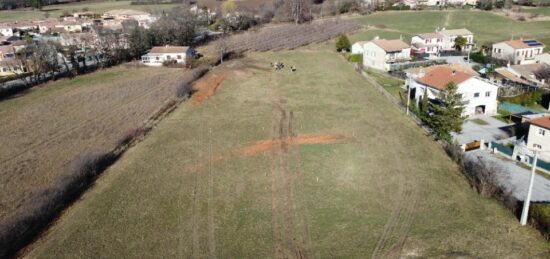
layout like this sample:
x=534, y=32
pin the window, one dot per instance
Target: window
x=179, y=56
x=541, y=132
x=537, y=146
x=487, y=94
x=168, y=57
x=476, y=95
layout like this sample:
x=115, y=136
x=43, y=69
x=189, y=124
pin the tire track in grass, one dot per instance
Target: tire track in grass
x=196, y=243
x=398, y=225
x=211, y=210
x=275, y=206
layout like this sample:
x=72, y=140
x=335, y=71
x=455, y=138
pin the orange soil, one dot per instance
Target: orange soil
x=206, y=88
x=273, y=144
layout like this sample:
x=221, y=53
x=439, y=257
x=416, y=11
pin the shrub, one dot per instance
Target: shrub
x=355, y=58
x=184, y=90
x=528, y=98
x=47, y=203
x=539, y=215
x=132, y=134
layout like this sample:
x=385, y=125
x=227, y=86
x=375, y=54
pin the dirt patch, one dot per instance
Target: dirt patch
x=274, y=144
x=206, y=88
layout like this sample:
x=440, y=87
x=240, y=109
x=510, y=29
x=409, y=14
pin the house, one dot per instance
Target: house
x=70, y=26
x=543, y=58
x=7, y=52
x=418, y=72
x=6, y=30
x=158, y=56
x=518, y=51
x=381, y=54
x=538, y=137
x=357, y=48
x=11, y=67
x=449, y=37
x=479, y=96
x=523, y=75
x=427, y=43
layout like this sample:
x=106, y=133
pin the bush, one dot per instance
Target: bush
x=184, y=90
x=478, y=57
x=132, y=134
x=529, y=98
x=46, y=204
x=355, y=58
x=539, y=215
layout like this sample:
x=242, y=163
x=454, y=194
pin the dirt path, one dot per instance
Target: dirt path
x=206, y=87
x=447, y=19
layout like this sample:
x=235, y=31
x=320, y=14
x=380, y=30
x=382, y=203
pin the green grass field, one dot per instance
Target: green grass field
x=487, y=27
x=314, y=163
x=54, y=11
x=538, y=10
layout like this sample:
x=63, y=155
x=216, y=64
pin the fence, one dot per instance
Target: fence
x=540, y=163
x=502, y=149
x=505, y=150
x=424, y=63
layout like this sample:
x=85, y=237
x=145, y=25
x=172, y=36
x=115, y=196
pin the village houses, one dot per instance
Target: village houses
x=381, y=54
x=439, y=41
x=478, y=95
x=539, y=136
x=518, y=51
x=159, y=56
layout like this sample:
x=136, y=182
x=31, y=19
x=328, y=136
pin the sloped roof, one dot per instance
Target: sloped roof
x=391, y=45
x=7, y=49
x=510, y=76
x=456, y=32
x=528, y=69
x=440, y=77
x=125, y=12
x=431, y=35
x=522, y=44
x=541, y=122
x=169, y=49
x=456, y=67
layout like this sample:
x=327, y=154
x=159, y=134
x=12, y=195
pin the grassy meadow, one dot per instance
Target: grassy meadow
x=486, y=26
x=281, y=164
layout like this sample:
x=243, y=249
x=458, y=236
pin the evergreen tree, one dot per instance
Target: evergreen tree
x=460, y=42
x=343, y=43
x=447, y=117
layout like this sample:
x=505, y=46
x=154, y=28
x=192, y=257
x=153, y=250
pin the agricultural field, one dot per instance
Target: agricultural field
x=44, y=129
x=54, y=11
x=487, y=27
x=537, y=10
x=312, y=163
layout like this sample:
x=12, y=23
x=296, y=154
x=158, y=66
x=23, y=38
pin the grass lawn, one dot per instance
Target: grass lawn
x=314, y=163
x=393, y=85
x=479, y=121
x=487, y=27
x=538, y=10
x=54, y=11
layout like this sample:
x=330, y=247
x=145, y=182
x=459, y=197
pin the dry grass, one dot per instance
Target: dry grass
x=43, y=130
x=388, y=192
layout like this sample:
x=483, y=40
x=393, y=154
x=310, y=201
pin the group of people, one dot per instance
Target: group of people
x=280, y=65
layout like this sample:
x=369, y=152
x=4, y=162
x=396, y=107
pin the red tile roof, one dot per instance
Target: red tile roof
x=440, y=77
x=541, y=122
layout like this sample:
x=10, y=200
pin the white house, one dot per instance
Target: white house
x=521, y=74
x=6, y=31
x=357, y=48
x=158, y=56
x=539, y=136
x=543, y=58
x=479, y=96
x=449, y=37
x=380, y=53
x=518, y=51
x=427, y=43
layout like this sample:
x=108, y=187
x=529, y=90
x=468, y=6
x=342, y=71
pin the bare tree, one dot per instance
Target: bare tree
x=222, y=47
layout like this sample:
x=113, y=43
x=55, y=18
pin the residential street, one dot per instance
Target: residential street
x=516, y=177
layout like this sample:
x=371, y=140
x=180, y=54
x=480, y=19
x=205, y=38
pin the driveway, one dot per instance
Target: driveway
x=494, y=130
x=516, y=178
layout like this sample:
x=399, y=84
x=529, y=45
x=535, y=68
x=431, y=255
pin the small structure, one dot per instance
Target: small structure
x=478, y=95
x=449, y=37
x=357, y=48
x=158, y=56
x=11, y=68
x=539, y=136
x=381, y=53
x=521, y=75
x=518, y=51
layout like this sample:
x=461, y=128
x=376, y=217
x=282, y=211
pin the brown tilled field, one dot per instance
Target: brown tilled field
x=43, y=130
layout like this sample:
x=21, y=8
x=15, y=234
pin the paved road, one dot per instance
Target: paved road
x=471, y=131
x=516, y=178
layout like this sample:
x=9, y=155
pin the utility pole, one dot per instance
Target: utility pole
x=525, y=212
x=408, y=96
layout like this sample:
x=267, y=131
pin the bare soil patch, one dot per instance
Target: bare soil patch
x=206, y=88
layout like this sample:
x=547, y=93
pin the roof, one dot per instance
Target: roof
x=456, y=67
x=391, y=45
x=432, y=35
x=524, y=44
x=10, y=63
x=440, y=77
x=541, y=122
x=7, y=49
x=528, y=70
x=169, y=49
x=510, y=76
x=456, y=32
